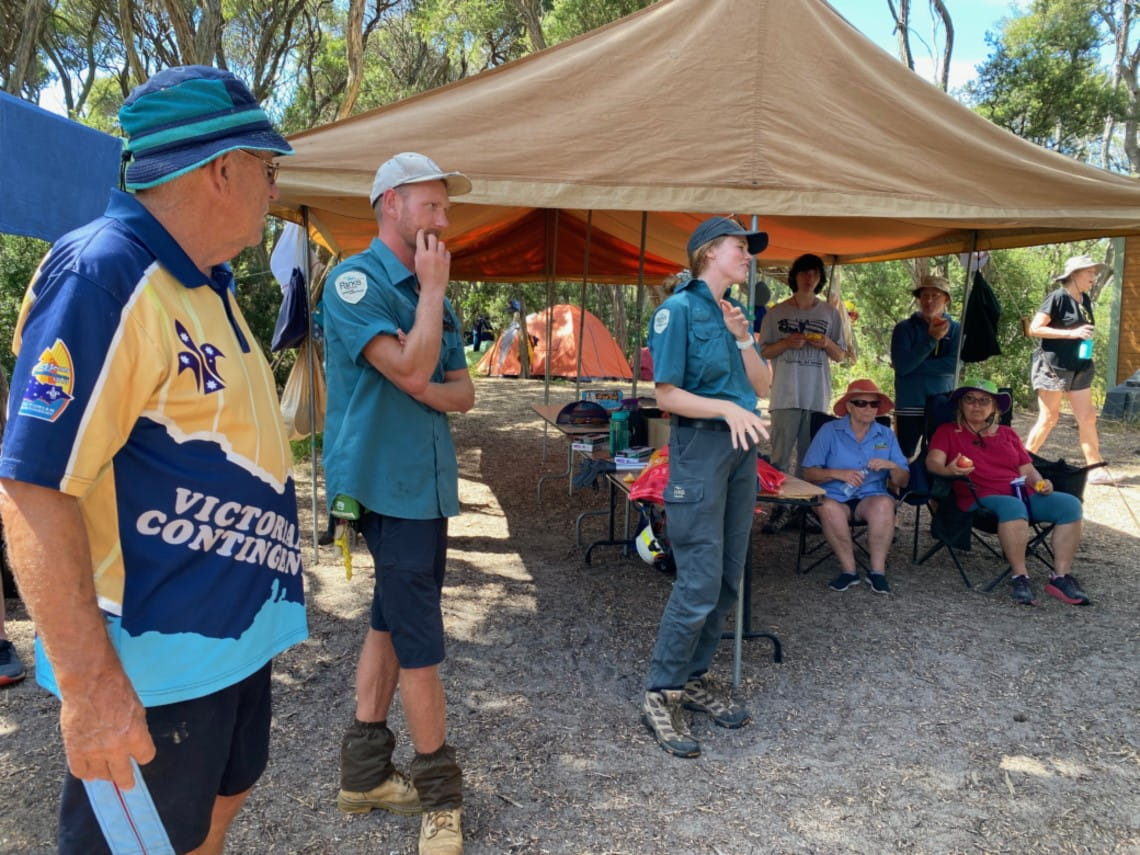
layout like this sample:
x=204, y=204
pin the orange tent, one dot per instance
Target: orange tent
x=602, y=357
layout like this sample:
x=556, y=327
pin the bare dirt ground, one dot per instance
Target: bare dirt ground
x=936, y=720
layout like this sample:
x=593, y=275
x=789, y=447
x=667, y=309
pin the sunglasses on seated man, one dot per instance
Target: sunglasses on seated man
x=860, y=403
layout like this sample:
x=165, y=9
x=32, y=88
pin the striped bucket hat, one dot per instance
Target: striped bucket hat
x=185, y=117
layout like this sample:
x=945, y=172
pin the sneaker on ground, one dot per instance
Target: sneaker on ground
x=11, y=666
x=661, y=713
x=878, y=583
x=395, y=795
x=844, y=581
x=441, y=832
x=1099, y=476
x=699, y=698
x=776, y=520
x=1068, y=590
x=1021, y=591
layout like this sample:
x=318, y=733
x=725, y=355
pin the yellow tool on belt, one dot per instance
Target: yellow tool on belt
x=346, y=509
x=342, y=541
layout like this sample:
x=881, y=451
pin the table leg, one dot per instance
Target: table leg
x=566, y=474
x=743, y=628
x=611, y=540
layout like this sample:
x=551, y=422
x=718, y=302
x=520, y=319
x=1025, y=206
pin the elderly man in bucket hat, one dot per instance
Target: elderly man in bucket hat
x=858, y=462
x=396, y=368
x=1063, y=361
x=146, y=486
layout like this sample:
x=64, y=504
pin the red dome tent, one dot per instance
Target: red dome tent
x=602, y=357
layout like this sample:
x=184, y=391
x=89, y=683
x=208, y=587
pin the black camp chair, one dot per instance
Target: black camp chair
x=819, y=544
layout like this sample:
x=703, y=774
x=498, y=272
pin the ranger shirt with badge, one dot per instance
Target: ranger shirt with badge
x=693, y=349
x=139, y=390
x=383, y=448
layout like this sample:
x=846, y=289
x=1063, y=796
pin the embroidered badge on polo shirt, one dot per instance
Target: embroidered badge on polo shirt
x=48, y=391
x=660, y=321
x=351, y=285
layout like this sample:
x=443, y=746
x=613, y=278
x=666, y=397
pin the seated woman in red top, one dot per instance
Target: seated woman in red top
x=993, y=456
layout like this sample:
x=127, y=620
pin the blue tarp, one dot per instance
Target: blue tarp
x=55, y=174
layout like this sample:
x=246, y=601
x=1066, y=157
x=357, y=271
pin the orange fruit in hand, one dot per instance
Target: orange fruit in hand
x=964, y=462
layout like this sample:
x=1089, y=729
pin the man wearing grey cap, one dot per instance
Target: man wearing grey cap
x=146, y=481
x=395, y=368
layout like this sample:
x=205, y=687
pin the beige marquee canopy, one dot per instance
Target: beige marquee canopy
x=777, y=108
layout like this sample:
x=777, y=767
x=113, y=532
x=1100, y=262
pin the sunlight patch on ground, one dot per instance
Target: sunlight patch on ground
x=1027, y=765
x=467, y=609
x=495, y=701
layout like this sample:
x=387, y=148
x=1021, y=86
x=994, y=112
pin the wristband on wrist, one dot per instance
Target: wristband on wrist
x=743, y=343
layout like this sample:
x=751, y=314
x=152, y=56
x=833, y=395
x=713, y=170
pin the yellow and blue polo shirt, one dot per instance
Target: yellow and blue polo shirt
x=139, y=390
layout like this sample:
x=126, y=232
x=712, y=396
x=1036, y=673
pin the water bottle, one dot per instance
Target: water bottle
x=1017, y=490
x=847, y=490
x=619, y=431
x=1084, y=349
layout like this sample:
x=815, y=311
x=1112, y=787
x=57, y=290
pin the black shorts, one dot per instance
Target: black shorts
x=217, y=745
x=410, y=557
x=1048, y=377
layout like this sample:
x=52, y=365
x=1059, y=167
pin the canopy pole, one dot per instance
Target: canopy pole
x=752, y=276
x=312, y=385
x=552, y=272
x=582, y=305
x=637, y=303
x=965, y=303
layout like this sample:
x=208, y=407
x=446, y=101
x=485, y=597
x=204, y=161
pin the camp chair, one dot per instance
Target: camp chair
x=820, y=544
x=938, y=411
x=956, y=530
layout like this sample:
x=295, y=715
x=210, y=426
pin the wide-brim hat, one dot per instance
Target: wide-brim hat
x=864, y=387
x=186, y=116
x=938, y=283
x=1078, y=262
x=410, y=167
x=715, y=227
x=1002, y=400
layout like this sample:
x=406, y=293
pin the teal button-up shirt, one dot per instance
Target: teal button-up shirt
x=388, y=451
x=693, y=350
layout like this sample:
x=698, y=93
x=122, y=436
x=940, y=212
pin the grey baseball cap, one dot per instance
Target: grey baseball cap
x=411, y=168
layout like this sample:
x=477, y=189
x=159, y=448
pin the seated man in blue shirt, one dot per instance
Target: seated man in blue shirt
x=858, y=461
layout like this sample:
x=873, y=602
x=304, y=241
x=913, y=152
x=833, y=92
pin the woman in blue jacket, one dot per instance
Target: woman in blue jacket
x=924, y=349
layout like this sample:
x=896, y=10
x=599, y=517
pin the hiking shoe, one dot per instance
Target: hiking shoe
x=878, y=582
x=395, y=795
x=1021, y=591
x=11, y=666
x=844, y=581
x=1067, y=590
x=661, y=713
x=441, y=832
x=776, y=520
x=699, y=698
x=810, y=522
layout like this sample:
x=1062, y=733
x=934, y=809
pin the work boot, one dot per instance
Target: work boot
x=395, y=795
x=661, y=713
x=441, y=832
x=368, y=780
x=699, y=698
